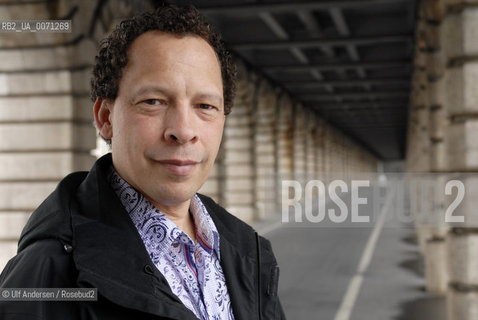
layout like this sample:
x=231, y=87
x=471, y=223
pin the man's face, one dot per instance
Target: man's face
x=168, y=117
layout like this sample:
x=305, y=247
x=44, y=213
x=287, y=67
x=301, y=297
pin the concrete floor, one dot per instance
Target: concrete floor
x=318, y=263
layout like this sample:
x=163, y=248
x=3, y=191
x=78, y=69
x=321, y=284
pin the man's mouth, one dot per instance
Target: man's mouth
x=178, y=166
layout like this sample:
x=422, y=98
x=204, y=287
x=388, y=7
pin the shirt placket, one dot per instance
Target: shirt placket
x=201, y=256
x=190, y=251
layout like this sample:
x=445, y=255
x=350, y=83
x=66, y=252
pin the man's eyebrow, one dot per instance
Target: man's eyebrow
x=151, y=89
x=212, y=97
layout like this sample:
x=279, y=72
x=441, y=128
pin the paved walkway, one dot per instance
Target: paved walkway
x=320, y=273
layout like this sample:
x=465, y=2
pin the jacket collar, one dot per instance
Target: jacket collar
x=110, y=255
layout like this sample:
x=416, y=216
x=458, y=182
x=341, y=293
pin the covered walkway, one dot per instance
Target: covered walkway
x=327, y=90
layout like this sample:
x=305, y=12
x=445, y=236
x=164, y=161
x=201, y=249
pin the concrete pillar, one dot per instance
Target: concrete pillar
x=459, y=36
x=462, y=295
x=310, y=127
x=274, y=204
x=418, y=155
x=332, y=150
x=46, y=127
x=327, y=151
x=299, y=142
x=264, y=141
x=349, y=155
x=285, y=144
x=236, y=170
x=433, y=239
x=319, y=147
x=285, y=138
x=341, y=158
x=436, y=273
x=334, y=153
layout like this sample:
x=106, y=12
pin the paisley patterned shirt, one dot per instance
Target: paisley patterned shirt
x=192, y=269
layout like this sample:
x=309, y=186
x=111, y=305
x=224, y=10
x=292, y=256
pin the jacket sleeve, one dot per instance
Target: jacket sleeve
x=43, y=264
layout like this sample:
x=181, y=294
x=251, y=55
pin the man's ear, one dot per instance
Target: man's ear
x=103, y=111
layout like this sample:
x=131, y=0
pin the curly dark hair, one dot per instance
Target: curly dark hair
x=112, y=56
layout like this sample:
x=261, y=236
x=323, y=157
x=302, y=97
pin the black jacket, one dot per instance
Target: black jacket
x=81, y=236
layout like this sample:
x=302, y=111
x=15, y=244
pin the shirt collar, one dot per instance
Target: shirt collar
x=146, y=216
x=206, y=233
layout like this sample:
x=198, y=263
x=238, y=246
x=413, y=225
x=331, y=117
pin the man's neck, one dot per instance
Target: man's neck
x=180, y=215
x=176, y=212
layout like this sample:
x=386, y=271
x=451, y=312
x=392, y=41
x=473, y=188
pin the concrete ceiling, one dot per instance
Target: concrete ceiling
x=350, y=60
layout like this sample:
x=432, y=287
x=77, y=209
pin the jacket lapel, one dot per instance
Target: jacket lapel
x=240, y=285
x=110, y=254
x=238, y=261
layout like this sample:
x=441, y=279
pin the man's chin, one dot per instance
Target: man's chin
x=172, y=198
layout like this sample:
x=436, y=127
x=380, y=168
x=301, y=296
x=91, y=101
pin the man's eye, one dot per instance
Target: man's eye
x=206, y=106
x=152, y=101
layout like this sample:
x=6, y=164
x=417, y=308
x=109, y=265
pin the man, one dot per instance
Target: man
x=134, y=226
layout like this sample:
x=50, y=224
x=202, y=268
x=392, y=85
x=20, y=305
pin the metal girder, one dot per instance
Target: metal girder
x=342, y=27
x=366, y=116
x=273, y=25
x=352, y=122
x=341, y=41
x=355, y=95
x=345, y=115
x=376, y=126
x=310, y=22
x=362, y=106
x=345, y=118
x=339, y=21
x=314, y=66
x=293, y=6
x=338, y=83
x=343, y=65
x=279, y=31
x=312, y=25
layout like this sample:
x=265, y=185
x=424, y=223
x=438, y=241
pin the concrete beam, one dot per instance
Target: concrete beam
x=343, y=41
x=292, y=6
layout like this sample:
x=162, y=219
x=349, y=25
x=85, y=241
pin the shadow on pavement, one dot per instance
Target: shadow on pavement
x=410, y=239
x=414, y=265
x=428, y=307
x=433, y=307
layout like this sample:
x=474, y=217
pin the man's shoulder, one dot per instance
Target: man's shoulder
x=46, y=263
x=60, y=198
x=43, y=264
x=51, y=219
x=42, y=247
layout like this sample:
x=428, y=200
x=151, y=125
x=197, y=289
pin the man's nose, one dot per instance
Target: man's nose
x=180, y=125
